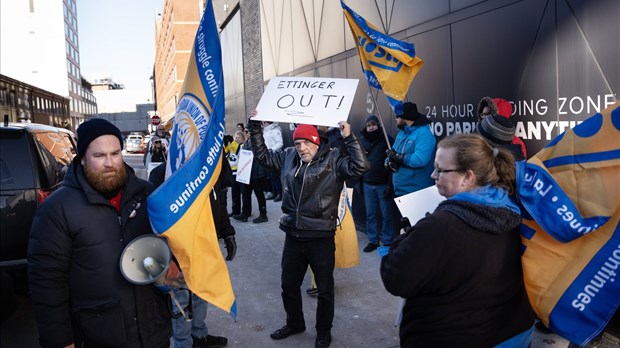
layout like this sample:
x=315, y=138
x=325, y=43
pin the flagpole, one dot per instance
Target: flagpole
x=387, y=140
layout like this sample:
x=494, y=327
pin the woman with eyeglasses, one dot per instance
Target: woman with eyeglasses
x=459, y=268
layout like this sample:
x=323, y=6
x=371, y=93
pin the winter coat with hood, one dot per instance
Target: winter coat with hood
x=375, y=146
x=78, y=291
x=311, y=191
x=459, y=270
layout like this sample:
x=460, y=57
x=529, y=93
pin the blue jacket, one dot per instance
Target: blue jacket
x=417, y=143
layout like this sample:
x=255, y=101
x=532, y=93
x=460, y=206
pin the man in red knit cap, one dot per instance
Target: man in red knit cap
x=313, y=175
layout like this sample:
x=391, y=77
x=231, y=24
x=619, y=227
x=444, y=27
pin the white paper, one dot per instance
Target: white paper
x=416, y=205
x=307, y=100
x=244, y=166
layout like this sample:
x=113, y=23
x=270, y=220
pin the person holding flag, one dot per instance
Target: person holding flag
x=313, y=176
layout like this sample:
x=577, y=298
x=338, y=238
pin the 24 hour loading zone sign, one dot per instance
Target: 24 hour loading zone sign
x=308, y=100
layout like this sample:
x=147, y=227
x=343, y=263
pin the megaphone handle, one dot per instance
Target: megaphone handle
x=187, y=315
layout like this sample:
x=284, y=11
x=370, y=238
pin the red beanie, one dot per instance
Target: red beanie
x=504, y=108
x=308, y=132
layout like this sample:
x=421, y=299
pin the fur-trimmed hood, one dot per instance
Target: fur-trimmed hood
x=484, y=102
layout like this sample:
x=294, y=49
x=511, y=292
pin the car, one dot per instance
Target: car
x=135, y=144
x=33, y=161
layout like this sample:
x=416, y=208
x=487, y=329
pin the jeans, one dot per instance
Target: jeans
x=373, y=195
x=297, y=255
x=183, y=330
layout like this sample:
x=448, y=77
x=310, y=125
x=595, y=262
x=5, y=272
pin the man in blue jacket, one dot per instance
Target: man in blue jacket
x=413, y=154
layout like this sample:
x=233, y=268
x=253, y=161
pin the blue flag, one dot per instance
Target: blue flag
x=389, y=64
x=180, y=209
x=571, y=227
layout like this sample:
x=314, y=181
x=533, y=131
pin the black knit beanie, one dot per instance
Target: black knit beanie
x=91, y=130
x=497, y=129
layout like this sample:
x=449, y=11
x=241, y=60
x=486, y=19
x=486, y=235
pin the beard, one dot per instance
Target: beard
x=106, y=184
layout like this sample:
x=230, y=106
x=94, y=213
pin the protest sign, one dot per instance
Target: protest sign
x=308, y=100
x=244, y=166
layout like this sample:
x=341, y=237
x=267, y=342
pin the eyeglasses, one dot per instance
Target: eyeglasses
x=439, y=171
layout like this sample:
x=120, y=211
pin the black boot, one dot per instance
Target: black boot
x=260, y=218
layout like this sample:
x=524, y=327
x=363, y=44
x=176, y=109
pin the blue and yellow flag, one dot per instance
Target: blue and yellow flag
x=388, y=64
x=571, y=233
x=347, y=248
x=180, y=209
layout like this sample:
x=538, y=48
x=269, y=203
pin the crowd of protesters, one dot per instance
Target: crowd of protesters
x=467, y=287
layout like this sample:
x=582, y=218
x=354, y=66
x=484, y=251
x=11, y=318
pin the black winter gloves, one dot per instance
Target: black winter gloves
x=231, y=247
x=254, y=127
x=394, y=156
x=393, y=160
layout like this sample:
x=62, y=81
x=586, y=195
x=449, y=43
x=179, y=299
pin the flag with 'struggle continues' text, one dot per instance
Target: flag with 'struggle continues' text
x=180, y=209
x=571, y=227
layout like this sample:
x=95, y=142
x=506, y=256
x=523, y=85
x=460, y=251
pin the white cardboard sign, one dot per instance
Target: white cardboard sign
x=415, y=205
x=308, y=100
x=244, y=166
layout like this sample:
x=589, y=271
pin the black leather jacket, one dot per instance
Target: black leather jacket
x=310, y=205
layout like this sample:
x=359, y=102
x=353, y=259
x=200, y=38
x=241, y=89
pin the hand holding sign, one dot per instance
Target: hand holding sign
x=307, y=100
x=345, y=128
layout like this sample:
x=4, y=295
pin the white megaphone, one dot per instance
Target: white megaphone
x=145, y=260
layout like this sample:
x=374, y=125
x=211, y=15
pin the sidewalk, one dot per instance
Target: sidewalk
x=364, y=310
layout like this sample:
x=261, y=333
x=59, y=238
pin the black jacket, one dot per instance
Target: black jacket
x=375, y=146
x=310, y=204
x=460, y=272
x=78, y=291
x=258, y=170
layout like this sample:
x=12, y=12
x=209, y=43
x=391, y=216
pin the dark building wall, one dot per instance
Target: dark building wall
x=556, y=60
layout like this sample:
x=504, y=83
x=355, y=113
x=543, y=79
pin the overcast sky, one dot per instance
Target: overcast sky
x=117, y=39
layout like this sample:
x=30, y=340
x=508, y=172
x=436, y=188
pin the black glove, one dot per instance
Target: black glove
x=231, y=247
x=391, y=166
x=389, y=191
x=254, y=126
x=394, y=156
x=228, y=139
